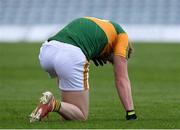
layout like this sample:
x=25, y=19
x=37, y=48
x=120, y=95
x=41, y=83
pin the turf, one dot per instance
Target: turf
x=154, y=71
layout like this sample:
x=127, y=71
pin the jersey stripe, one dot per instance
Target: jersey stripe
x=86, y=76
x=107, y=27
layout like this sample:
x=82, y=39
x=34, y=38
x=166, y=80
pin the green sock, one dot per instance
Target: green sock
x=57, y=106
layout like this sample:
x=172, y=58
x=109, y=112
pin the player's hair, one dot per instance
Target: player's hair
x=130, y=50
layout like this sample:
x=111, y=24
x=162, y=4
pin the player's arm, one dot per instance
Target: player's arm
x=121, y=53
x=123, y=85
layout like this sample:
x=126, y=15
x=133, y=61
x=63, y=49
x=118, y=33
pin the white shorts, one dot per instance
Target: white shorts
x=68, y=63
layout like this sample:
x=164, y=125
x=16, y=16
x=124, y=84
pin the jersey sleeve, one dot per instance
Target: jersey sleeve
x=121, y=45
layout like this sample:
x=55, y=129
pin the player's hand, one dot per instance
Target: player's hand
x=131, y=115
x=98, y=61
x=103, y=59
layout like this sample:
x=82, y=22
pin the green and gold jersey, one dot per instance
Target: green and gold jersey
x=94, y=36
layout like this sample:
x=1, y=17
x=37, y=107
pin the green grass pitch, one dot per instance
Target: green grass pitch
x=154, y=71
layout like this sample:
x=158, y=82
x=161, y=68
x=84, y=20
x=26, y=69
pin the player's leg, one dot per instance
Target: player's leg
x=74, y=93
x=74, y=105
x=73, y=77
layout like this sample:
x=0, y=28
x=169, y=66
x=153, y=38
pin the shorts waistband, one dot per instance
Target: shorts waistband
x=59, y=44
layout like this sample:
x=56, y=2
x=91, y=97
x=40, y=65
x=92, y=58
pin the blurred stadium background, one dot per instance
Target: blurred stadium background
x=144, y=20
x=154, y=69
